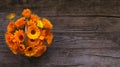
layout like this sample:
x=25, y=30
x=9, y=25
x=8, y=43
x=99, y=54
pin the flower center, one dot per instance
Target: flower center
x=21, y=37
x=32, y=40
x=33, y=32
x=30, y=49
x=21, y=48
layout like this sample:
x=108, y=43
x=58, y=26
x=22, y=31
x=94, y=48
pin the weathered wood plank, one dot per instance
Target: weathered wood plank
x=90, y=23
x=107, y=24
x=84, y=32
x=74, y=8
x=68, y=53
x=76, y=53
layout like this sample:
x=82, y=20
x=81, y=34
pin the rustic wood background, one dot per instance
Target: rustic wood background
x=86, y=33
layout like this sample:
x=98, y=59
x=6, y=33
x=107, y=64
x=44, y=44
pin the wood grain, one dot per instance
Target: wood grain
x=86, y=34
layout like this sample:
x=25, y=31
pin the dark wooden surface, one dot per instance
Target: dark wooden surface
x=86, y=34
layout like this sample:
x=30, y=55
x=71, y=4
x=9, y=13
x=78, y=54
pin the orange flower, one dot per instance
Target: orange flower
x=19, y=35
x=35, y=17
x=12, y=44
x=47, y=23
x=49, y=39
x=31, y=22
x=40, y=50
x=42, y=37
x=20, y=22
x=26, y=13
x=43, y=34
x=33, y=32
x=10, y=40
x=29, y=35
x=30, y=51
x=14, y=47
x=11, y=27
x=21, y=48
x=14, y=51
x=32, y=42
x=8, y=37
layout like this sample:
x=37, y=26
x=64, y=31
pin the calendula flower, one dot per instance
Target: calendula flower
x=10, y=40
x=43, y=34
x=32, y=42
x=40, y=24
x=49, y=39
x=21, y=48
x=31, y=22
x=47, y=23
x=20, y=35
x=8, y=37
x=11, y=16
x=20, y=22
x=40, y=50
x=34, y=17
x=33, y=32
x=28, y=35
x=12, y=44
x=13, y=47
x=14, y=51
x=26, y=13
x=30, y=51
x=11, y=27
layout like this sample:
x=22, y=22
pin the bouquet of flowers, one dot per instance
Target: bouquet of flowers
x=29, y=35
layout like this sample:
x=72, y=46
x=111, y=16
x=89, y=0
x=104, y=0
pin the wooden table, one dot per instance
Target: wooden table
x=86, y=34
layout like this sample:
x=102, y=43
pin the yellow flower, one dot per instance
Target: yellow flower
x=26, y=13
x=11, y=27
x=47, y=23
x=19, y=35
x=40, y=24
x=20, y=22
x=33, y=32
x=11, y=16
